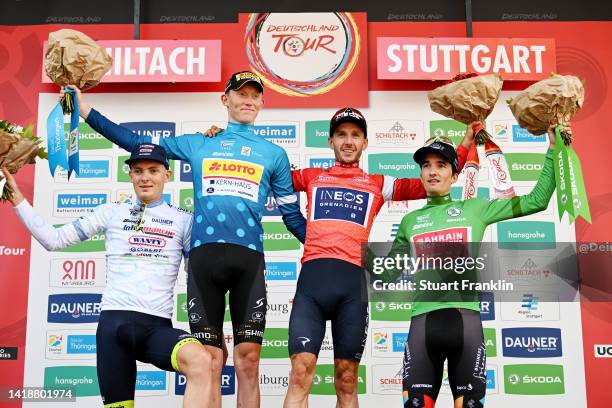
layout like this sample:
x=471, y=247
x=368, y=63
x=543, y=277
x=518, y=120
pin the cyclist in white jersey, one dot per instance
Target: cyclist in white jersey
x=145, y=242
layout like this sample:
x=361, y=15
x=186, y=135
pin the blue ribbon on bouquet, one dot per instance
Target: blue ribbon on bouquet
x=67, y=159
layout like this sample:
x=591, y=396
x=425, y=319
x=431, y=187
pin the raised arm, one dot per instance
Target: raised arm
x=177, y=147
x=537, y=200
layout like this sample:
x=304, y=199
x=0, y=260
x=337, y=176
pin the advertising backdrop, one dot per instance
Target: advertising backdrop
x=44, y=342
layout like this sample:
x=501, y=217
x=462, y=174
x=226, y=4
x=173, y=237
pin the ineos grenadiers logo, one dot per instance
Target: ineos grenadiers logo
x=302, y=54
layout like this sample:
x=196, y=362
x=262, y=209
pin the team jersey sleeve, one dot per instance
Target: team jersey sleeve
x=187, y=240
x=301, y=178
x=52, y=238
x=537, y=200
x=462, y=154
x=179, y=147
x=400, y=189
x=282, y=189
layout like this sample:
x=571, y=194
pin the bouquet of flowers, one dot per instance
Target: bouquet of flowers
x=18, y=147
x=553, y=102
x=72, y=58
x=467, y=98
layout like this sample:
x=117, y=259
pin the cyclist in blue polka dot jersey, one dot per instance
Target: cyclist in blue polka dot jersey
x=233, y=175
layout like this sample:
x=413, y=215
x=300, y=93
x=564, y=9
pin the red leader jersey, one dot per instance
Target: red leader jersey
x=343, y=202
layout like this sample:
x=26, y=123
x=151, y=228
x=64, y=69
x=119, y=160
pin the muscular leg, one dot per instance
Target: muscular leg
x=300, y=380
x=196, y=363
x=306, y=332
x=246, y=363
x=217, y=363
x=345, y=380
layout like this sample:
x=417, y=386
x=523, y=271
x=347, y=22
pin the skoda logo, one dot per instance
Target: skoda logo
x=454, y=212
x=514, y=379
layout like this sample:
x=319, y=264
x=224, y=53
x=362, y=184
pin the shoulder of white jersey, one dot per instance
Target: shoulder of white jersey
x=183, y=211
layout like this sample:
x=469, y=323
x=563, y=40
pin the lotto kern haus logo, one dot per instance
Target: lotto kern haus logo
x=303, y=54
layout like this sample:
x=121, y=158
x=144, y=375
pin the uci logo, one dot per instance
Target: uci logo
x=454, y=212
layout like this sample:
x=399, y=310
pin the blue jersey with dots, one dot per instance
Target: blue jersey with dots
x=233, y=175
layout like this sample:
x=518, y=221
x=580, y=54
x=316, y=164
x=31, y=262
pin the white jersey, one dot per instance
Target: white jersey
x=144, y=248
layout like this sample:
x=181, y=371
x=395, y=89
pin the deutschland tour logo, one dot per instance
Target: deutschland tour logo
x=303, y=54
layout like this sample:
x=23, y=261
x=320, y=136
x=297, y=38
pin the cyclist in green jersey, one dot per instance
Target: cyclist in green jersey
x=449, y=327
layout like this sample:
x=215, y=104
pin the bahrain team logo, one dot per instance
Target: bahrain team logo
x=302, y=54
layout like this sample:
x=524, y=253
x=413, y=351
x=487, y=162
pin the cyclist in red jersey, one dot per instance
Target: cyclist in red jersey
x=342, y=204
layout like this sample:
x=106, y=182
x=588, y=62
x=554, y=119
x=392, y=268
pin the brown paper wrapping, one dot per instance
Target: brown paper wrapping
x=551, y=101
x=74, y=58
x=468, y=100
x=16, y=152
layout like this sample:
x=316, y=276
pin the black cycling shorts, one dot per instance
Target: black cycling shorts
x=330, y=289
x=214, y=269
x=453, y=334
x=122, y=338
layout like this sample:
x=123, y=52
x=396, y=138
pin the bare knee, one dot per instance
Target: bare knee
x=346, y=379
x=301, y=373
x=246, y=362
x=195, y=361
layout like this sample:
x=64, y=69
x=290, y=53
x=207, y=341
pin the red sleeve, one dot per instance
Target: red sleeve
x=301, y=178
x=408, y=189
x=462, y=154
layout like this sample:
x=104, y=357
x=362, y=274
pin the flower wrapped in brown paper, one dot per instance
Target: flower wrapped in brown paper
x=72, y=58
x=18, y=147
x=467, y=100
x=551, y=101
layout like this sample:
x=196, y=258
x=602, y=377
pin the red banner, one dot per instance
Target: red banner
x=161, y=61
x=441, y=58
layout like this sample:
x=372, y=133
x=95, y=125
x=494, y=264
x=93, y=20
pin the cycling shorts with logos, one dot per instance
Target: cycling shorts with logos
x=330, y=289
x=125, y=336
x=218, y=268
x=445, y=334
